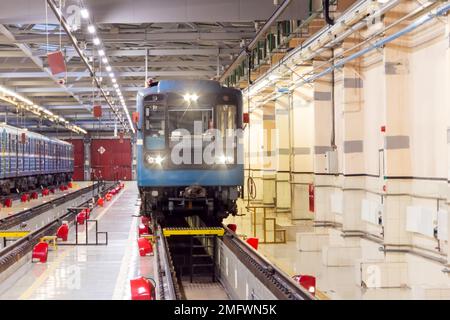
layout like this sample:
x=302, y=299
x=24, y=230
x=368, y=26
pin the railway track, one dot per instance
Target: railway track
x=12, y=253
x=238, y=271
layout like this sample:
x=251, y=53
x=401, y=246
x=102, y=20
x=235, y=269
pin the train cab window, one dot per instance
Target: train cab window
x=155, y=127
x=181, y=119
x=226, y=119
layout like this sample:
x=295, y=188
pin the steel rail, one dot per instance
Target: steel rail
x=25, y=215
x=20, y=248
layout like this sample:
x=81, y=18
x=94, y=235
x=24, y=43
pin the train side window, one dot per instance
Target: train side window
x=155, y=127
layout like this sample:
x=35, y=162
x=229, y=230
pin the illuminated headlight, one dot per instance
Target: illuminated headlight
x=152, y=160
x=225, y=160
x=190, y=97
x=159, y=160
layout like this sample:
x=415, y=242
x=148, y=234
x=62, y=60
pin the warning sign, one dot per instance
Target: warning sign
x=101, y=150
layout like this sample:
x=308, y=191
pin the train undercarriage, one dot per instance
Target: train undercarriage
x=211, y=204
x=24, y=184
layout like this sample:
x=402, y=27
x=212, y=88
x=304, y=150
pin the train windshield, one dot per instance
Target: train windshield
x=196, y=121
x=175, y=122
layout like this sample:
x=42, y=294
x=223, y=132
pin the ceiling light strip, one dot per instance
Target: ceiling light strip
x=83, y=57
x=24, y=103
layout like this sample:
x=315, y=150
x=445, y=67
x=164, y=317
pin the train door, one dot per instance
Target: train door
x=8, y=154
x=13, y=154
x=20, y=152
x=58, y=156
x=4, y=155
x=27, y=156
x=41, y=155
x=31, y=156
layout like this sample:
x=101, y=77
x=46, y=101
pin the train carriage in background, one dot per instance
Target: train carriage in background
x=169, y=111
x=30, y=160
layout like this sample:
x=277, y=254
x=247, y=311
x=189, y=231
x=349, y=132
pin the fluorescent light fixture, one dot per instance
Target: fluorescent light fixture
x=116, y=86
x=84, y=13
x=96, y=41
x=101, y=53
x=105, y=60
x=111, y=75
x=91, y=29
x=108, y=68
x=273, y=77
x=113, y=80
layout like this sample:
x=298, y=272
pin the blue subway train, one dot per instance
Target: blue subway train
x=189, y=149
x=29, y=160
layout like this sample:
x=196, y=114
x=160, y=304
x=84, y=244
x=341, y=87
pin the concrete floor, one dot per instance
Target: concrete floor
x=88, y=272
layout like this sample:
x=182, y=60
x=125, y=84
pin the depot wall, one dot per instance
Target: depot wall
x=387, y=115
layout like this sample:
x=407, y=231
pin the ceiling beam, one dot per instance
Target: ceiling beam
x=139, y=74
x=152, y=11
x=161, y=35
x=73, y=89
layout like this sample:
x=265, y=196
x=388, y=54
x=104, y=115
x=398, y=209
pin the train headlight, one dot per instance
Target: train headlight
x=155, y=160
x=190, y=97
x=159, y=160
x=150, y=159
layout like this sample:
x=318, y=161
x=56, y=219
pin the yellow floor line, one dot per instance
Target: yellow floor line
x=55, y=264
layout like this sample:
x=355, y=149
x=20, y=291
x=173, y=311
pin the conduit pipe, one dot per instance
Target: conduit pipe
x=243, y=54
x=419, y=22
x=315, y=44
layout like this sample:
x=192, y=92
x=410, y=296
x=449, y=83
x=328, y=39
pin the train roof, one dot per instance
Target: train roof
x=185, y=86
x=31, y=133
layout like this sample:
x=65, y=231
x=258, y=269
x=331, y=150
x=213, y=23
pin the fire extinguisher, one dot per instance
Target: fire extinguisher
x=311, y=197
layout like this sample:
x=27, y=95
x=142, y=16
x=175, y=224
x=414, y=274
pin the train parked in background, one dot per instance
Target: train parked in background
x=176, y=119
x=30, y=160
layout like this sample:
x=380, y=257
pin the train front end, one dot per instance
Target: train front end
x=190, y=159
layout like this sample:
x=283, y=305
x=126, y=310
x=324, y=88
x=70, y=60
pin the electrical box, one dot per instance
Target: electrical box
x=331, y=162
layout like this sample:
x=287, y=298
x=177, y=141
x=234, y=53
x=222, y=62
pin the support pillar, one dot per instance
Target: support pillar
x=282, y=181
x=87, y=159
x=302, y=142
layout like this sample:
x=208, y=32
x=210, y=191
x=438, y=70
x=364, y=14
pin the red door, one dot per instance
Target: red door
x=78, y=155
x=111, y=159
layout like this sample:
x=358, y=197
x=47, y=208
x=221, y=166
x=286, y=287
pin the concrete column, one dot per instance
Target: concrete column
x=323, y=123
x=351, y=86
x=302, y=141
x=397, y=154
x=282, y=183
x=269, y=158
x=87, y=159
x=254, y=146
x=447, y=103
